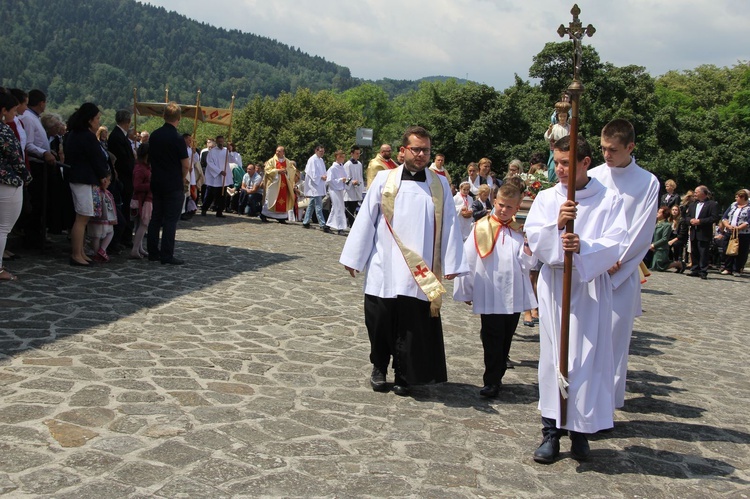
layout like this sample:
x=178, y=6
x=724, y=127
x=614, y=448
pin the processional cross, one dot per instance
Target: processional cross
x=576, y=31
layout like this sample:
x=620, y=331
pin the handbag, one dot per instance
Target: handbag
x=733, y=246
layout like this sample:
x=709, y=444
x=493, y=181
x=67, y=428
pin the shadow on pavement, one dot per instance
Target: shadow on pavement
x=55, y=300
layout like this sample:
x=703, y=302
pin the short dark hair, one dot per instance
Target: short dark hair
x=538, y=157
x=415, y=130
x=19, y=94
x=123, y=116
x=355, y=148
x=621, y=130
x=583, y=148
x=35, y=97
x=7, y=101
x=440, y=155
x=81, y=117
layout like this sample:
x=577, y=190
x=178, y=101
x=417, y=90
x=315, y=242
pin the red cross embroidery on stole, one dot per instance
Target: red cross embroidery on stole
x=421, y=271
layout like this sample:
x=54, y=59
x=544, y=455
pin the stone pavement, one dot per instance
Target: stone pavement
x=244, y=374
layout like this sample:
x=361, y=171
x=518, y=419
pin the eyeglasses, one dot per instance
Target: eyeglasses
x=416, y=151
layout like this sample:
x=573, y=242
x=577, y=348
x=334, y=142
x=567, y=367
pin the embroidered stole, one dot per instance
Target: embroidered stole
x=427, y=280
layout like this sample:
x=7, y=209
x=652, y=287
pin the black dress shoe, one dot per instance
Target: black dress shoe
x=693, y=274
x=704, y=276
x=263, y=218
x=579, y=448
x=281, y=221
x=377, y=380
x=306, y=226
x=220, y=215
x=401, y=390
x=327, y=229
x=172, y=261
x=548, y=451
x=490, y=391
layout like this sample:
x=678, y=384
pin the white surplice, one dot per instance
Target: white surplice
x=354, y=173
x=463, y=223
x=371, y=246
x=639, y=190
x=336, y=180
x=314, y=170
x=217, y=162
x=600, y=225
x=496, y=284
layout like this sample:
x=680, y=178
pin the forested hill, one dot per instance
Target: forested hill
x=98, y=50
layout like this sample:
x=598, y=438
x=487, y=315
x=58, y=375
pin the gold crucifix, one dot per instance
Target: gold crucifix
x=576, y=32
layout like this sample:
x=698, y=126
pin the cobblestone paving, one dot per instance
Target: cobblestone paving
x=244, y=374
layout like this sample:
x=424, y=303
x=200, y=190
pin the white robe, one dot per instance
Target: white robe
x=639, y=190
x=600, y=225
x=336, y=180
x=371, y=246
x=463, y=223
x=314, y=185
x=496, y=284
x=216, y=163
x=354, y=172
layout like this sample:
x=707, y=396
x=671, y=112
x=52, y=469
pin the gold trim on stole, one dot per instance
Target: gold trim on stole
x=425, y=278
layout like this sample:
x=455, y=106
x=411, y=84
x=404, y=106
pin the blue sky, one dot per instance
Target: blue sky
x=487, y=41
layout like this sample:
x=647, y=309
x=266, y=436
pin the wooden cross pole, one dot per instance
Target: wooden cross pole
x=576, y=32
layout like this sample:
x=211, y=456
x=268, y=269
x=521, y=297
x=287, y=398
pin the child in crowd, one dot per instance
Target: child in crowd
x=498, y=259
x=100, y=227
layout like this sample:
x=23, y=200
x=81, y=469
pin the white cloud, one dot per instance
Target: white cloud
x=487, y=40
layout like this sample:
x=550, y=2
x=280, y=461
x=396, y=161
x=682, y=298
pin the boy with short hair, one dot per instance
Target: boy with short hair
x=496, y=284
x=600, y=231
x=639, y=190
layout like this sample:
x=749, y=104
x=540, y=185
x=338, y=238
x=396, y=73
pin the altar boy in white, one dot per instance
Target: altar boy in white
x=497, y=284
x=600, y=231
x=639, y=190
x=336, y=181
x=406, y=237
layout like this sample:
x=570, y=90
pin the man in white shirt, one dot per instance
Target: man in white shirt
x=315, y=188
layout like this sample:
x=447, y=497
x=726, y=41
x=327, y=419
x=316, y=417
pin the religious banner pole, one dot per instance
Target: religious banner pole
x=226, y=158
x=576, y=32
x=166, y=94
x=195, y=120
x=135, y=109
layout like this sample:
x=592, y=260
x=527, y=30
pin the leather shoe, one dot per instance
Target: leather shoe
x=548, y=451
x=306, y=226
x=704, y=276
x=327, y=229
x=263, y=218
x=693, y=274
x=579, y=448
x=377, y=380
x=401, y=390
x=220, y=215
x=173, y=261
x=490, y=391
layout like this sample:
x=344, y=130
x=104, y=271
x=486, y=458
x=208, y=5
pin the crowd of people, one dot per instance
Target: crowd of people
x=411, y=227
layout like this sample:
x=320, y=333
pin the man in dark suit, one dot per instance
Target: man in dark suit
x=702, y=214
x=121, y=148
x=169, y=168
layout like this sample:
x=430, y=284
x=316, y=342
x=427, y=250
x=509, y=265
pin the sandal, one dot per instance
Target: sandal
x=7, y=276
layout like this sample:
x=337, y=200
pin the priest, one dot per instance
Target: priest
x=278, y=187
x=599, y=233
x=407, y=239
x=382, y=161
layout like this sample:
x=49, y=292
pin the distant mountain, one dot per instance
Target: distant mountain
x=99, y=50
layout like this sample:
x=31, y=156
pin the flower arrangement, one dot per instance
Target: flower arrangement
x=535, y=182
